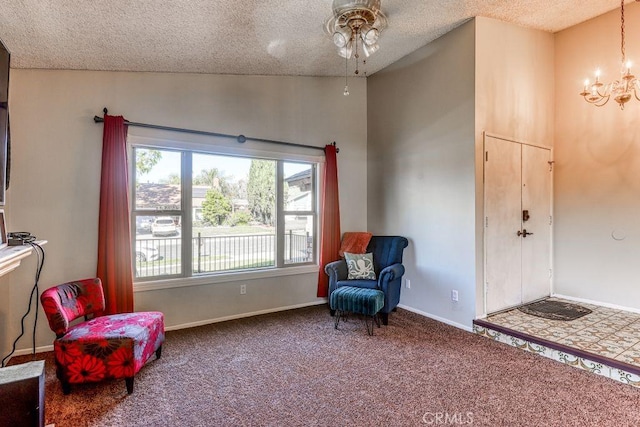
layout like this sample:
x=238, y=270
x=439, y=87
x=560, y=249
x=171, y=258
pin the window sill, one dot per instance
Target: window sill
x=211, y=279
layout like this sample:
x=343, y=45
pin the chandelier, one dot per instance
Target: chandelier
x=622, y=90
x=355, y=27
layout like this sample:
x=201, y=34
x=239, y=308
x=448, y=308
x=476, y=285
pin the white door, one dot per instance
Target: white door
x=536, y=200
x=517, y=203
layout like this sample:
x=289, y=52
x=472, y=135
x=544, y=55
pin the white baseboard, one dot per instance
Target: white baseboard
x=243, y=315
x=25, y=351
x=438, y=318
x=598, y=303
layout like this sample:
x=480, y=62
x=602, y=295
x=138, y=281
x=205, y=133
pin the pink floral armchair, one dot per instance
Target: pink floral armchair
x=104, y=347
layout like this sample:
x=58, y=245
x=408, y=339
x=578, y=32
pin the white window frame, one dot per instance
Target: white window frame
x=187, y=278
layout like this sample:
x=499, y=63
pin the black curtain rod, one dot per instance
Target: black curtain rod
x=240, y=138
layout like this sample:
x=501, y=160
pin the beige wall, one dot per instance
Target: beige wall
x=597, y=185
x=56, y=170
x=421, y=171
x=514, y=98
x=427, y=114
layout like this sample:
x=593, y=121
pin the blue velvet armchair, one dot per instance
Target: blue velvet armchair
x=387, y=263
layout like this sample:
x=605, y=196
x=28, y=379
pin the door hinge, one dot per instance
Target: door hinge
x=551, y=162
x=486, y=222
x=550, y=220
x=550, y=273
x=486, y=156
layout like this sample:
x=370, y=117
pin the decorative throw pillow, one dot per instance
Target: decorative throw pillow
x=354, y=242
x=360, y=266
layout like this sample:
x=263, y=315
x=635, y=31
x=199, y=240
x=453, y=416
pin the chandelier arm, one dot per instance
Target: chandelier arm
x=622, y=43
x=597, y=101
x=606, y=94
x=601, y=102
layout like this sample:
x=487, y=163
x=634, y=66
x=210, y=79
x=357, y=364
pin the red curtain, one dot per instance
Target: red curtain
x=330, y=238
x=114, y=239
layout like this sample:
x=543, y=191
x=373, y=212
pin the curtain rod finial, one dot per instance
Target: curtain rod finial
x=338, y=150
x=104, y=110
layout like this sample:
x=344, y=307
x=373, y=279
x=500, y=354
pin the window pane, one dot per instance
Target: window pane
x=158, y=248
x=298, y=239
x=233, y=217
x=157, y=180
x=229, y=252
x=233, y=201
x=298, y=187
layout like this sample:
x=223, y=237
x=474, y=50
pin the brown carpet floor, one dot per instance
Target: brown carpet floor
x=294, y=369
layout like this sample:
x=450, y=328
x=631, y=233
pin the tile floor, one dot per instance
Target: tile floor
x=607, y=332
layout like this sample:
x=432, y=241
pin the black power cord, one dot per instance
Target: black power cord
x=30, y=240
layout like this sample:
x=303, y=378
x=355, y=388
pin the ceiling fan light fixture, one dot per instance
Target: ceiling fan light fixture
x=355, y=26
x=370, y=49
x=346, y=51
x=341, y=37
x=370, y=36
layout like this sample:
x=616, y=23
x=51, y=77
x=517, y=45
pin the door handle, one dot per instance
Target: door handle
x=523, y=233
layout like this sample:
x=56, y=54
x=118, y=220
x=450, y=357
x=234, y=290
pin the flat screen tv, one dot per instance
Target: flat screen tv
x=5, y=57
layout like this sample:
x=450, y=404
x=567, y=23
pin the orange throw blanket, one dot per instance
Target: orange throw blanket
x=354, y=242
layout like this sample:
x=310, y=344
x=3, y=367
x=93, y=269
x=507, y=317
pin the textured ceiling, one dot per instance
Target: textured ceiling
x=266, y=37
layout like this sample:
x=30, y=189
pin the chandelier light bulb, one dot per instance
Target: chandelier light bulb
x=346, y=91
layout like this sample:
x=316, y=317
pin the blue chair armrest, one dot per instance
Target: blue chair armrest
x=336, y=270
x=390, y=282
x=389, y=274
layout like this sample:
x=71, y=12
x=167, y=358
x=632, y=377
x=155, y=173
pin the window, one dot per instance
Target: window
x=200, y=213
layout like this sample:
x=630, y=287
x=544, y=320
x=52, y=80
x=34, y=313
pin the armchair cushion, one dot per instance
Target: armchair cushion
x=360, y=266
x=358, y=283
x=115, y=346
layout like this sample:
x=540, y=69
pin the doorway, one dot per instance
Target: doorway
x=517, y=222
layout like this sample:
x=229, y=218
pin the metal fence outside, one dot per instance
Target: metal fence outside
x=220, y=253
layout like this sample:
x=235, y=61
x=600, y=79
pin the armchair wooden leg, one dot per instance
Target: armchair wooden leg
x=385, y=318
x=332, y=313
x=129, y=382
x=59, y=371
x=159, y=352
x=66, y=387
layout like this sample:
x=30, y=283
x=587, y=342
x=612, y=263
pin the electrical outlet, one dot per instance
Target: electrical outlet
x=407, y=283
x=243, y=289
x=454, y=295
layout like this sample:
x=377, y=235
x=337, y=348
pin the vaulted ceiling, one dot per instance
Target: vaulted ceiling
x=264, y=37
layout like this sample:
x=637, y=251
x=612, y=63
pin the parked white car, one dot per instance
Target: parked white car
x=164, y=226
x=145, y=251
